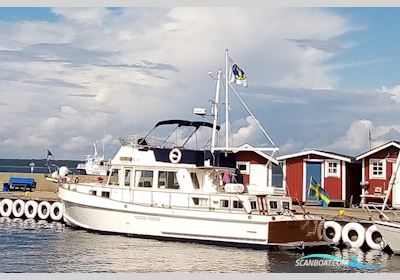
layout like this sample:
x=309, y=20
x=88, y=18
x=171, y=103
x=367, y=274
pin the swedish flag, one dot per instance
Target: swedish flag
x=319, y=193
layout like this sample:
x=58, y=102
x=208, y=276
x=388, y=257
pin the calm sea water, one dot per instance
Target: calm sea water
x=27, y=169
x=28, y=246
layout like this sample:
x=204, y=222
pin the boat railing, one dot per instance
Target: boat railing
x=137, y=141
x=170, y=199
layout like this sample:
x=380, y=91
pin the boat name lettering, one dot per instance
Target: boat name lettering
x=125, y=158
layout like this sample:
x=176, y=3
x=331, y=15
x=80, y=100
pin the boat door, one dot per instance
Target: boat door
x=258, y=175
x=313, y=169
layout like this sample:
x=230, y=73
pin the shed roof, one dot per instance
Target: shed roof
x=249, y=148
x=379, y=148
x=319, y=153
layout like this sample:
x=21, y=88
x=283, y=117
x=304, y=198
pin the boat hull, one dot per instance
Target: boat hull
x=391, y=233
x=106, y=215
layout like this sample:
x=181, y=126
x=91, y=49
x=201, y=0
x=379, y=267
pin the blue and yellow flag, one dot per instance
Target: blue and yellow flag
x=319, y=193
x=238, y=76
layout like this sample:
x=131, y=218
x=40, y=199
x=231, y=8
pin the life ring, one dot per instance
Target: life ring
x=353, y=231
x=374, y=239
x=44, y=210
x=18, y=208
x=31, y=209
x=329, y=228
x=6, y=207
x=175, y=155
x=56, y=212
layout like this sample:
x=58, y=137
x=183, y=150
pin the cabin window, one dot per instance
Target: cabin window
x=332, y=168
x=377, y=168
x=243, y=166
x=144, y=178
x=237, y=204
x=167, y=180
x=224, y=203
x=114, y=177
x=105, y=194
x=93, y=193
x=200, y=201
x=285, y=204
x=195, y=180
x=128, y=173
x=273, y=204
x=253, y=205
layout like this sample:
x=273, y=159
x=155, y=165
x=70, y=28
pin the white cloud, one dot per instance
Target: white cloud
x=94, y=70
x=394, y=92
x=357, y=140
x=75, y=143
x=87, y=16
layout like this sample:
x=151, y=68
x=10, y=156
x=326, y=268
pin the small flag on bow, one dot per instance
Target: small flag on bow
x=49, y=154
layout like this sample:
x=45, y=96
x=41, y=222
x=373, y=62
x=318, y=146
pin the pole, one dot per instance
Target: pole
x=216, y=106
x=392, y=181
x=226, y=101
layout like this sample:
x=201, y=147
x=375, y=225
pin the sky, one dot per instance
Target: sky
x=317, y=78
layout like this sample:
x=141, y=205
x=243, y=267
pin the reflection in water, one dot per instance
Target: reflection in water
x=51, y=247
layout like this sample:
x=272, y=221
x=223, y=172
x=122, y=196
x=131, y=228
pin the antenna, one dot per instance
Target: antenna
x=369, y=139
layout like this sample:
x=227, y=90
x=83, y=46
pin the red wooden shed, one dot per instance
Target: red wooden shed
x=377, y=167
x=337, y=174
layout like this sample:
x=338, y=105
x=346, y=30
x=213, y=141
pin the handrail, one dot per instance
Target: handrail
x=208, y=196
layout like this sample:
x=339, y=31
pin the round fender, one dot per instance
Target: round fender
x=56, y=211
x=31, y=209
x=6, y=207
x=374, y=239
x=18, y=208
x=353, y=235
x=175, y=155
x=44, y=210
x=332, y=231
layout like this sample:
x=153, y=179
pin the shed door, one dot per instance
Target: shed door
x=313, y=169
x=258, y=175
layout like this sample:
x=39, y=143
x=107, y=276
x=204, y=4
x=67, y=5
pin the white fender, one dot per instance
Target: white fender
x=6, y=207
x=31, y=209
x=337, y=228
x=360, y=232
x=56, y=211
x=18, y=208
x=44, y=210
x=371, y=242
x=175, y=155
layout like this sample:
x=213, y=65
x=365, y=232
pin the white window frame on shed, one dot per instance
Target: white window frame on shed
x=247, y=164
x=328, y=172
x=371, y=168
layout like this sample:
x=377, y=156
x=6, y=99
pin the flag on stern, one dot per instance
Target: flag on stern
x=319, y=193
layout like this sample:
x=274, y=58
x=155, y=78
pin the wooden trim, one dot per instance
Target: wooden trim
x=343, y=180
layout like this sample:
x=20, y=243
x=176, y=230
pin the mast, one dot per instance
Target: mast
x=216, y=106
x=226, y=102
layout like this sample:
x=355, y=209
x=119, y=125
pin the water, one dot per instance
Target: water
x=36, y=169
x=29, y=246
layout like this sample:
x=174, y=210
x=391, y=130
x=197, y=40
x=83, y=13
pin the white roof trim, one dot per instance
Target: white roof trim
x=314, y=152
x=377, y=149
x=250, y=148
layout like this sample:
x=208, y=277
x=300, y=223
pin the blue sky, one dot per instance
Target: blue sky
x=318, y=77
